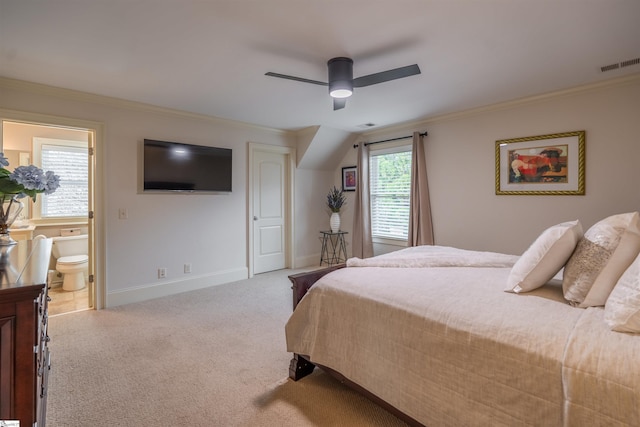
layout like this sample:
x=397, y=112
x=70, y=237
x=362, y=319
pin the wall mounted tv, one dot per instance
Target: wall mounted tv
x=172, y=166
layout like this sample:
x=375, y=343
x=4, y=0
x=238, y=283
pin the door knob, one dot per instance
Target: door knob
x=255, y=218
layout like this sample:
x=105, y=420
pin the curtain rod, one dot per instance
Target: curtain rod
x=389, y=140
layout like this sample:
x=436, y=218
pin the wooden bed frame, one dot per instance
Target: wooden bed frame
x=300, y=365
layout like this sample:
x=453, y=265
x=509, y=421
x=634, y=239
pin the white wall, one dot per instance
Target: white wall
x=460, y=151
x=346, y=213
x=311, y=190
x=166, y=230
x=210, y=231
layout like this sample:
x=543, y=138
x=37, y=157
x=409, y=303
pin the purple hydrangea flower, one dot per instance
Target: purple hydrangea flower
x=30, y=177
x=3, y=161
x=52, y=182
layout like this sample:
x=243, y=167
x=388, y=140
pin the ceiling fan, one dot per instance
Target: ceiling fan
x=341, y=81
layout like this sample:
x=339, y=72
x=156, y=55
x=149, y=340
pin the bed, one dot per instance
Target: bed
x=431, y=333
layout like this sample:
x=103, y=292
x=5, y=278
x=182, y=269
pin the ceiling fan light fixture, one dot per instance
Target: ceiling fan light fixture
x=340, y=92
x=340, y=77
x=341, y=81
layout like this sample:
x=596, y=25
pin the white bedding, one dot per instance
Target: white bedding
x=601, y=374
x=436, y=256
x=447, y=346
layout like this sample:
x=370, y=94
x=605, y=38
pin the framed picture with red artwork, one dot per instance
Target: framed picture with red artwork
x=541, y=165
x=349, y=178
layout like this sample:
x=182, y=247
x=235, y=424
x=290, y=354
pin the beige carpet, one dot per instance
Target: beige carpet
x=212, y=357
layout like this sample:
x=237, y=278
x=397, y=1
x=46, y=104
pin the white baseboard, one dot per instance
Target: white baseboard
x=156, y=290
x=307, y=261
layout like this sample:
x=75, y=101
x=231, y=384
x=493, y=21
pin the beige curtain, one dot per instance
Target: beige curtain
x=420, y=225
x=362, y=246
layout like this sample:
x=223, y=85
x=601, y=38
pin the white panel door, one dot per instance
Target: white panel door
x=268, y=212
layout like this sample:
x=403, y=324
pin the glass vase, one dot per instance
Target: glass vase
x=9, y=211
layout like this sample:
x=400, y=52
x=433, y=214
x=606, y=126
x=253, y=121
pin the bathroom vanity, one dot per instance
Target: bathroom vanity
x=24, y=353
x=22, y=233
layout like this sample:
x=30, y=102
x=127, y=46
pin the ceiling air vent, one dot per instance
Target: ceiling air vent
x=630, y=62
x=622, y=64
x=609, y=67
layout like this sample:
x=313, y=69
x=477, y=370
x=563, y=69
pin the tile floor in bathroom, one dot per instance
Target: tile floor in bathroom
x=67, y=301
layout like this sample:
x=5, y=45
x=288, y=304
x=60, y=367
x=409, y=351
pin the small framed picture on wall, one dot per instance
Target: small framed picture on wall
x=349, y=178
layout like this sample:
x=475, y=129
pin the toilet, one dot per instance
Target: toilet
x=70, y=251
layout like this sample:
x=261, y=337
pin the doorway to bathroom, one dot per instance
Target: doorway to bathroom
x=68, y=148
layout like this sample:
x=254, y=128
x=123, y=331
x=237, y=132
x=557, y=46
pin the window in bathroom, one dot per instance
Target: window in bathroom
x=69, y=160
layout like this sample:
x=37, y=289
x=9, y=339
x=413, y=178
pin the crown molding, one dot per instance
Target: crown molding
x=75, y=95
x=418, y=124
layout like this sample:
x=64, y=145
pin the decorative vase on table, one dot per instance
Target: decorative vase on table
x=335, y=200
x=334, y=222
x=23, y=181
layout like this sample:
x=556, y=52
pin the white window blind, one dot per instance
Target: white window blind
x=390, y=185
x=71, y=165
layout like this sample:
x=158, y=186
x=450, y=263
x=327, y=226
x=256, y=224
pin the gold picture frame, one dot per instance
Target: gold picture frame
x=541, y=165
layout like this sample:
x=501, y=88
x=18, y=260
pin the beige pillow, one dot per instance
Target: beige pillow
x=545, y=257
x=622, y=310
x=600, y=258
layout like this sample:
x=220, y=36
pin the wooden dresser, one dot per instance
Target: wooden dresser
x=24, y=353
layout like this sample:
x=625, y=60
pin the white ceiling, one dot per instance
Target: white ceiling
x=210, y=57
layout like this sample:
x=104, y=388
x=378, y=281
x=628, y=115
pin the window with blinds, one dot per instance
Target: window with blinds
x=390, y=186
x=70, y=163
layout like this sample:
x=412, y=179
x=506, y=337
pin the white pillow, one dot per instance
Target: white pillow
x=545, y=257
x=622, y=310
x=600, y=258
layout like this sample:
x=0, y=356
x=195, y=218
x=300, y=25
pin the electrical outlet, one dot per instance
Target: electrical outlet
x=187, y=268
x=162, y=273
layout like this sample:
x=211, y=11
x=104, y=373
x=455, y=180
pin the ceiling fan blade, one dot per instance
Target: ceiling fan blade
x=385, y=76
x=298, y=79
x=339, y=103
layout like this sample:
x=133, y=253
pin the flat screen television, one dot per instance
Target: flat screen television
x=173, y=166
